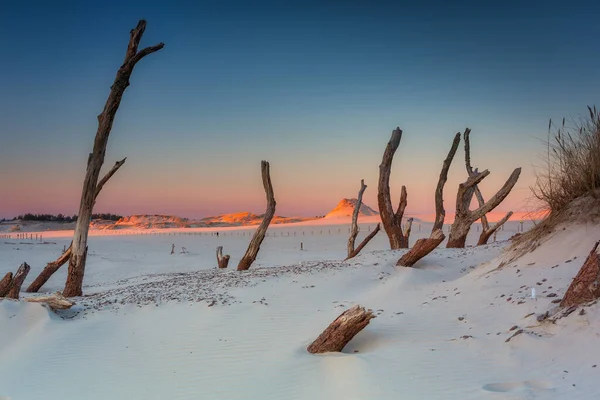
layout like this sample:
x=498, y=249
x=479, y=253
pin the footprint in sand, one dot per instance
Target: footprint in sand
x=505, y=387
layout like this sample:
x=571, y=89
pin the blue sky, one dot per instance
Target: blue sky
x=314, y=88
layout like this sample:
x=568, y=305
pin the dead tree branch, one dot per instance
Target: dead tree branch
x=222, y=261
x=486, y=230
x=342, y=330
x=392, y=222
x=17, y=281
x=259, y=235
x=74, y=284
x=352, y=252
x=425, y=246
x=464, y=217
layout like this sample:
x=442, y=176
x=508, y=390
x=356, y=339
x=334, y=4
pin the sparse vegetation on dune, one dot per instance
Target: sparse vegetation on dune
x=571, y=167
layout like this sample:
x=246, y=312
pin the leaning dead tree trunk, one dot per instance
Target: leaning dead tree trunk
x=259, y=235
x=17, y=281
x=586, y=284
x=352, y=252
x=464, y=217
x=74, y=284
x=6, y=284
x=222, y=260
x=425, y=246
x=486, y=230
x=54, y=266
x=392, y=222
x=342, y=330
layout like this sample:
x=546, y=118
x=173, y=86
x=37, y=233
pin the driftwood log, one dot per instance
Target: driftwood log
x=56, y=301
x=586, y=284
x=486, y=230
x=464, y=217
x=222, y=260
x=342, y=330
x=425, y=246
x=74, y=284
x=353, y=252
x=17, y=281
x=5, y=284
x=259, y=235
x=392, y=221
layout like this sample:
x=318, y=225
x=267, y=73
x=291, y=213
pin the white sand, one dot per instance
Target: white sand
x=193, y=332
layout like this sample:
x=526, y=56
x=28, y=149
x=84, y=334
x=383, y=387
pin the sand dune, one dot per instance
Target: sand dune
x=157, y=325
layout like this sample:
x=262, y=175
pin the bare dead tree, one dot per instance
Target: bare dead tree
x=464, y=217
x=74, y=284
x=392, y=222
x=6, y=284
x=424, y=246
x=259, y=235
x=341, y=330
x=352, y=252
x=17, y=281
x=54, y=266
x=222, y=260
x=486, y=230
x=586, y=284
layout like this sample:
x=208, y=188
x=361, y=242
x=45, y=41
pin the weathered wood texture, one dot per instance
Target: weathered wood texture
x=17, y=281
x=392, y=222
x=222, y=260
x=464, y=217
x=486, y=230
x=425, y=246
x=364, y=242
x=259, y=235
x=56, y=301
x=74, y=284
x=586, y=284
x=6, y=284
x=342, y=330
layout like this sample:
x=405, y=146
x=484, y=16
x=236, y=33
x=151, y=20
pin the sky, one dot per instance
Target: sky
x=315, y=88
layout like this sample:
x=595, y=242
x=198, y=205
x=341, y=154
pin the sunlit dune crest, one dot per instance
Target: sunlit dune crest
x=345, y=208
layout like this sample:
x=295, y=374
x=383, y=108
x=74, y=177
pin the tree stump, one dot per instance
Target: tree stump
x=586, y=284
x=222, y=260
x=17, y=281
x=6, y=284
x=342, y=330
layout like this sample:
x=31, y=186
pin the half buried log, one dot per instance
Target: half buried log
x=56, y=301
x=421, y=248
x=342, y=330
x=6, y=284
x=17, y=281
x=586, y=284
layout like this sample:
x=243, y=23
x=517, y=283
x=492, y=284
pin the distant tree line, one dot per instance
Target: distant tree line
x=65, y=218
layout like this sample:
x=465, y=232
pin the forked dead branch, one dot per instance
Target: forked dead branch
x=91, y=185
x=464, y=217
x=353, y=252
